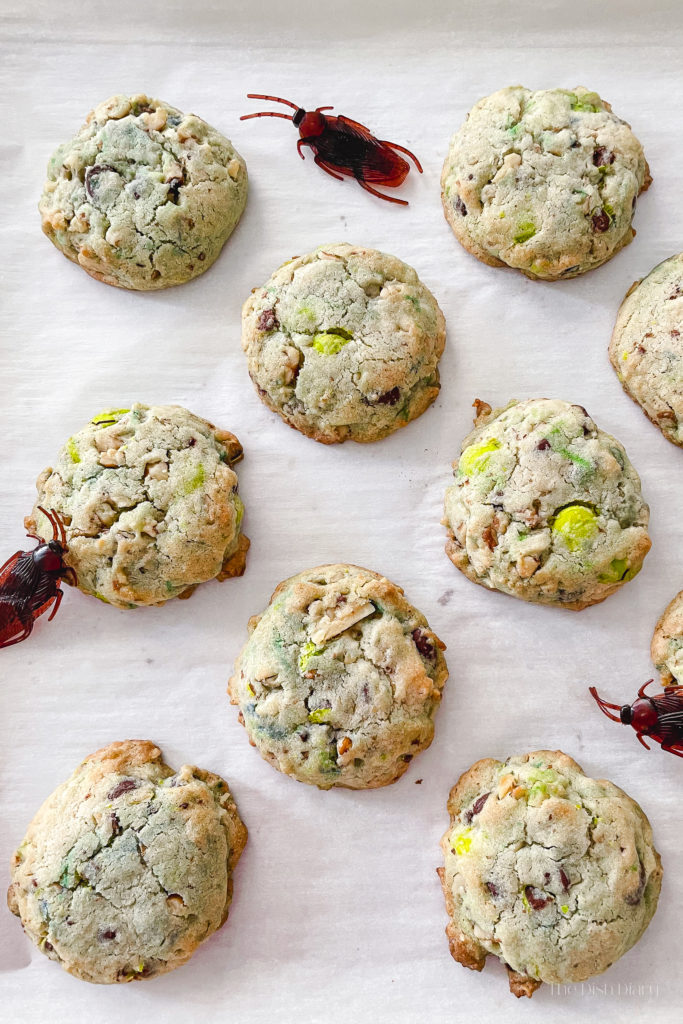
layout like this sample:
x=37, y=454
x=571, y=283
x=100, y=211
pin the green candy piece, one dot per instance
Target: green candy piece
x=577, y=524
x=73, y=450
x=476, y=457
x=589, y=102
x=320, y=715
x=619, y=569
x=239, y=505
x=525, y=231
x=331, y=342
x=196, y=481
x=564, y=908
x=109, y=416
x=308, y=651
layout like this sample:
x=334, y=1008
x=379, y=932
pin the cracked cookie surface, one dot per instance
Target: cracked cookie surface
x=127, y=867
x=150, y=504
x=344, y=343
x=553, y=872
x=646, y=349
x=340, y=679
x=545, y=506
x=666, y=649
x=544, y=182
x=144, y=196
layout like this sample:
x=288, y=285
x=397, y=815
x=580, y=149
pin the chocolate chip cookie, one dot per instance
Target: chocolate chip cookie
x=340, y=679
x=553, y=872
x=545, y=506
x=128, y=866
x=344, y=343
x=144, y=196
x=150, y=504
x=544, y=182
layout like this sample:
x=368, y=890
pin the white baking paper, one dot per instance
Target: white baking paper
x=338, y=915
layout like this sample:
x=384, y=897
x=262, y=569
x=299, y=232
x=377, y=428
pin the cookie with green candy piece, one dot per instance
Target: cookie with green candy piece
x=144, y=196
x=551, y=871
x=544, y=182
x=545, y=506
x=646, y=349
x=149, y=501
x=340, y=679
x=666, y=649
x=127, y=867
x=344, y=343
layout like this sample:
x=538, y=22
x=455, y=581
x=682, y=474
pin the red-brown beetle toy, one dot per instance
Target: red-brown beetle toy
x=345, y=147
x=30, y=581
x=660, y=717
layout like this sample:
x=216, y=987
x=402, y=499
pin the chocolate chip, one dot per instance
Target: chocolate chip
x=535, y=898
x=389, y=397
x=603, y=156
x=93, y=172
x=600, y=221
x=460, y=206
x=124, y=786
x=183, y=806
x=424, y=644
x=174, y=189
x=407, y=758
x=634, y=898
x=303, y=735
x=479, y=803
x=106, y=934
x=675, y=333
x=564, y=879
x=268, y=321
x=201, y=257
x=49, y=947
x=115, y=824
x=156, y=274
x=543, y=445
x=493, y=889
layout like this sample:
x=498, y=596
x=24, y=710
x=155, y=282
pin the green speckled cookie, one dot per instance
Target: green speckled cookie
x=545, y=506
x=144, y=196
x=340, y=679
x=128, y=866
x=544, y=182
x=646, y=349
x=553, y=872
x=666, y=649
x=150, y=504
x=344, y=343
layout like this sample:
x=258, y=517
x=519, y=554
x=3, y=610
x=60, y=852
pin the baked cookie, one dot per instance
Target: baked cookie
x=544, y=182
x=150, y=504
x=144, y=196
x=344, y=343
x=666, y=650
x=545, y=506
x=340, y=679
x=646, y=349
x=128, y=866
x=551, y=871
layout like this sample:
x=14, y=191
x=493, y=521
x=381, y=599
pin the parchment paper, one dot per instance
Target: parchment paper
x=337, y=913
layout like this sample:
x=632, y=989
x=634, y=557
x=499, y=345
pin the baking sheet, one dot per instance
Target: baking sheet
x=337, y=910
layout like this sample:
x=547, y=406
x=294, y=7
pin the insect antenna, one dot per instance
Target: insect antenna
x=269, y=113
x=603, y=704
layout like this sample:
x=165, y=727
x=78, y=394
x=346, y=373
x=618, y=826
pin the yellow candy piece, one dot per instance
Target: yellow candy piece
x=320, y=715
x=463, y=842
x=109, y=416
x=329, y=344
x=577, y=525
x=476, y=457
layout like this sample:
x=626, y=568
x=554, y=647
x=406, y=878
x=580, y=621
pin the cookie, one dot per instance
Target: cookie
x=128, y=866
x=646, y=349
x=544, y=182
x=545, y=506
x=340, y=679
x=553, y=872
x=143, y=196
x=150, y=504
x=666, y=650
x=344, y=343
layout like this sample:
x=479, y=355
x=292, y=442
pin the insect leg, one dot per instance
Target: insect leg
x=17, y=639
x=402, y=149
x=641, y=691
x=58, y=600
x=672, y=750
x=325, y=167
x=318, y=109
x=380, y=195
x=12, y=557
x=304, y=142
x=641, y=740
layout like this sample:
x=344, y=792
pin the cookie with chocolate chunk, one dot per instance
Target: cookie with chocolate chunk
x=128, y=866
x=545, y=506
x=646, y=349
x=551, y=871
x=144, y=196
x=544, y=182
x=340, y=679
x=149, y=501
x=344, y=343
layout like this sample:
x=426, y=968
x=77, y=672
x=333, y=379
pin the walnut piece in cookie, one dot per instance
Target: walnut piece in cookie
x=553, y=872
x=144, y=196
x=544, y=182
x=340, y=679
x=545, y=506
x=127, y=867
x=149, y=501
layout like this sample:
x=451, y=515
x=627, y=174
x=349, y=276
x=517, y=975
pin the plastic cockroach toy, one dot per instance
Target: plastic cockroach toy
x=30, y=581
x=659, y=717
x=345, y=147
